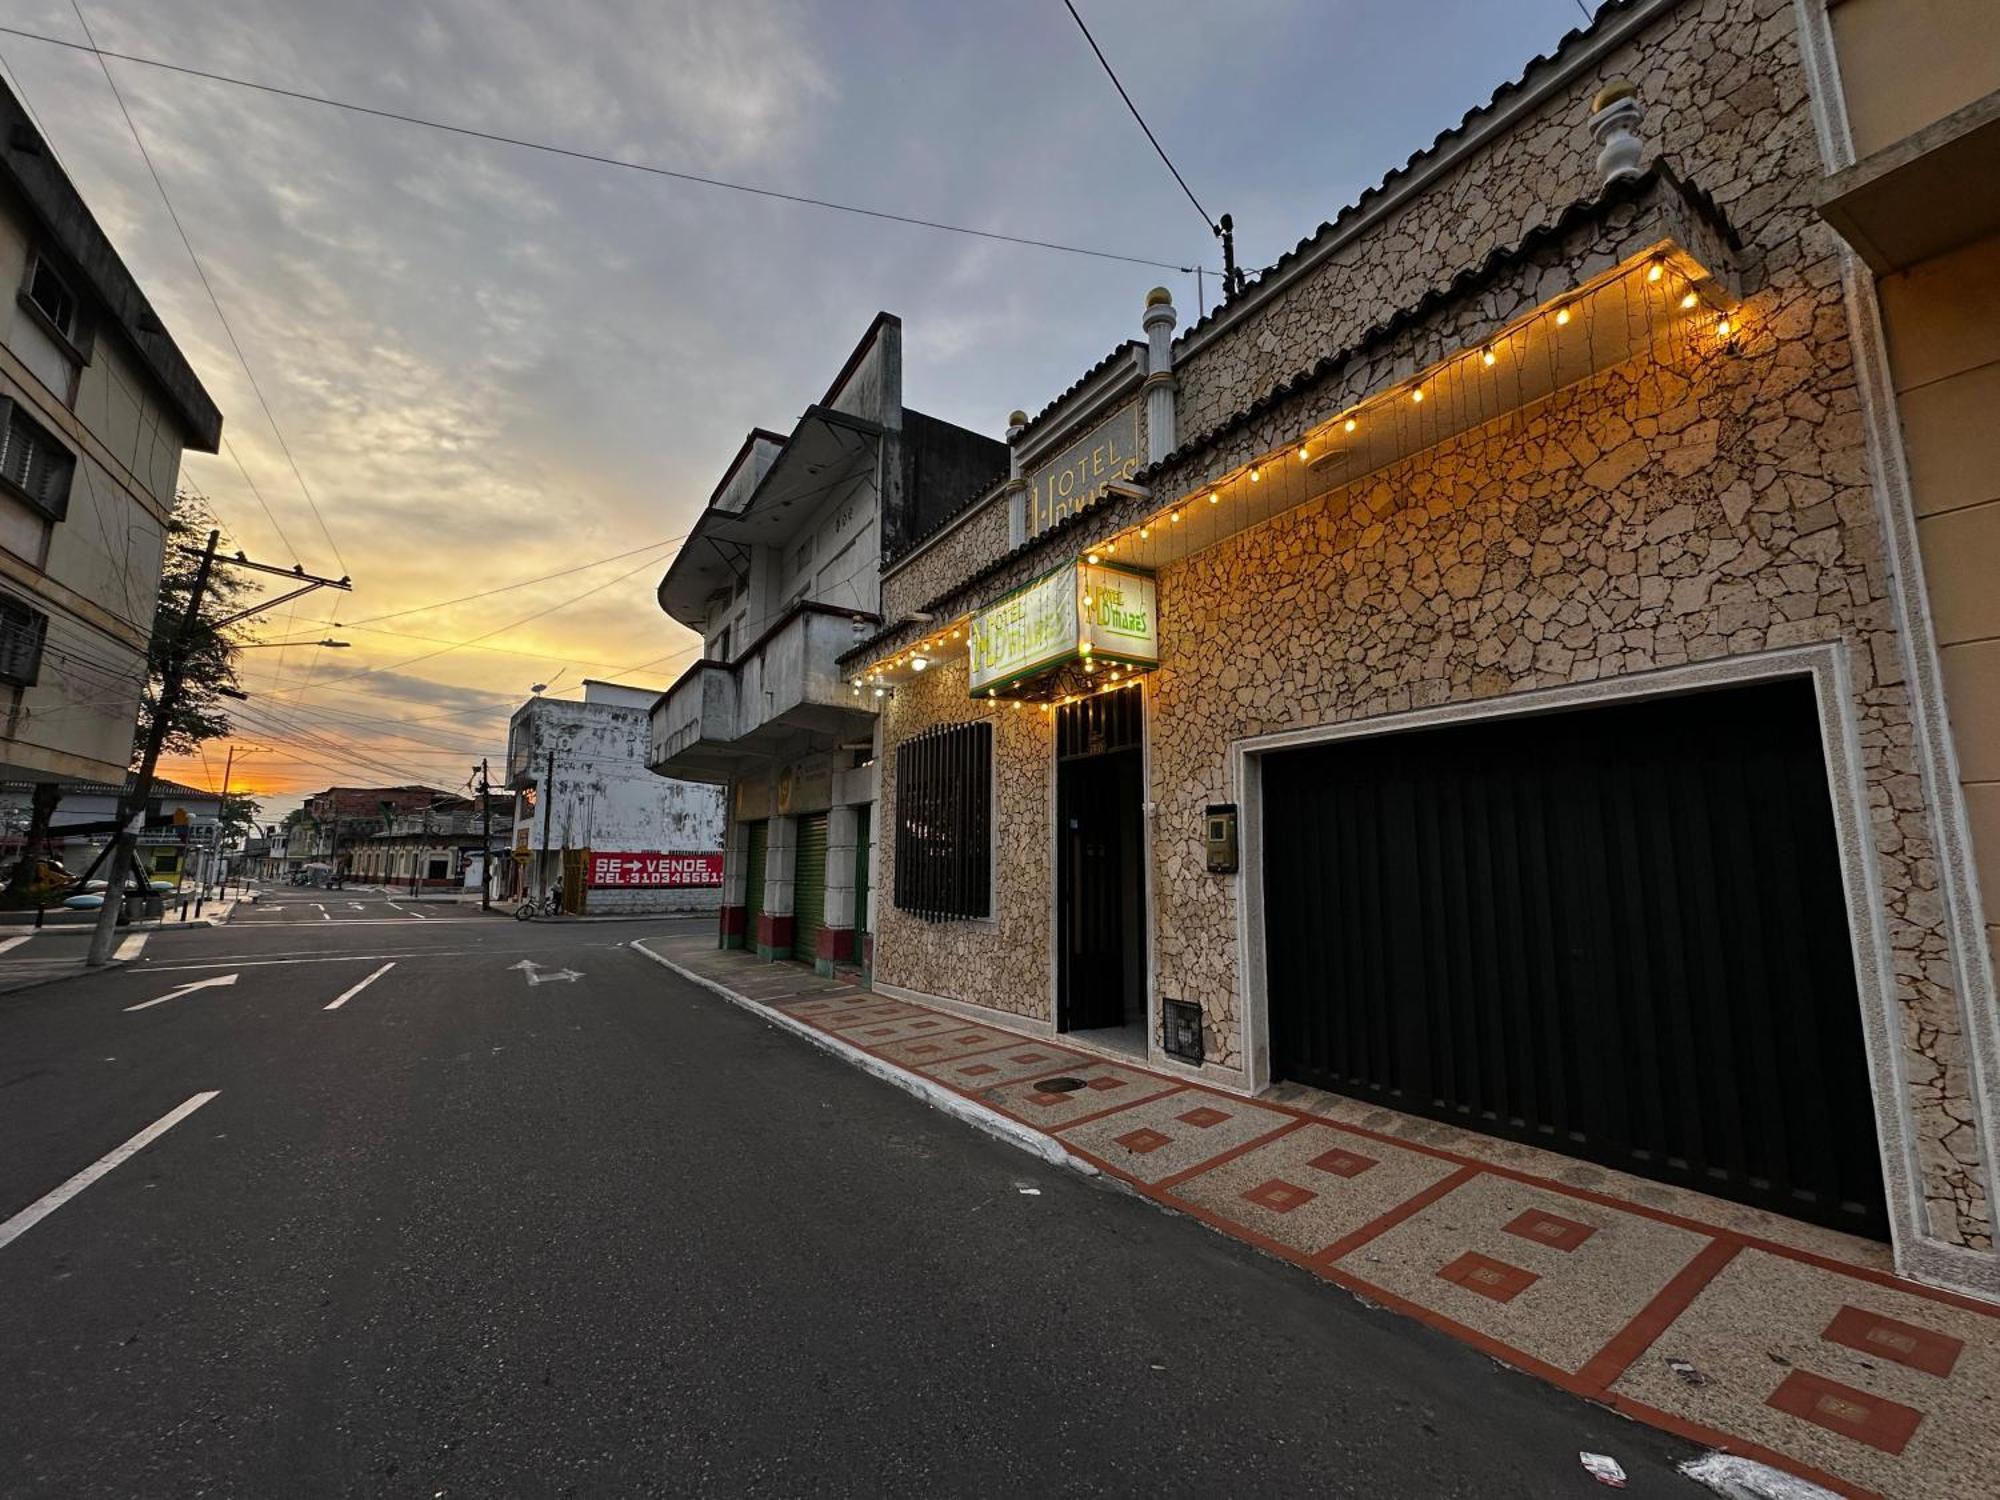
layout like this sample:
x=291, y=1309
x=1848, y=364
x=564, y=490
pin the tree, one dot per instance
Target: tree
x=237, y=820
x=209, y=668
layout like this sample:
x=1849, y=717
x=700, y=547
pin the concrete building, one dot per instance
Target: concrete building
x=437, y=847
x=781, y=576
x=96, y=406
x=591, y=817
x=1514, y=682
x=334, y=825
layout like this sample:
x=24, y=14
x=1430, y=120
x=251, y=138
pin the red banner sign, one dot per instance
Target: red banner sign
x=655, y=869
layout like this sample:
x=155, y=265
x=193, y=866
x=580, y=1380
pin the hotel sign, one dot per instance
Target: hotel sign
x=1077, y=476
x=1098, y=610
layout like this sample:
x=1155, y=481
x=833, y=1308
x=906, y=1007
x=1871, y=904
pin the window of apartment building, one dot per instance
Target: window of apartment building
x=51, y=294
x=22, y=633
x=34, y=464
x=718, y=649
x=944, y=823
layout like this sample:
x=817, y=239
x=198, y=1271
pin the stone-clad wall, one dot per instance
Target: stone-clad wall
x=973, y=541
x=1726, y=104
x=1675, y=509
x=1002, y=963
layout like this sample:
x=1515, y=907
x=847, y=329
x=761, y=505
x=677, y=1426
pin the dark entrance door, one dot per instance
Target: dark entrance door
x=1618, y=933
x=1100, y=880
x=757, y=843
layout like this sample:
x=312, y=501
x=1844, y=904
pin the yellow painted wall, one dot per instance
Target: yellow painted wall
x=1907, y=63
x=1943, y=323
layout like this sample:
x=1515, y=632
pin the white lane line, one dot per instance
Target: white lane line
x=199, y=984
x=132, y=947
x=49, y=1202
x=325, y=915
x=12, y=943
x=349, y=994
x=343, y=958
x=426, y=916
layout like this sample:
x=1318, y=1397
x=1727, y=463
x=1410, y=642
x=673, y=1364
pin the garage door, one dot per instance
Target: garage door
x=1617, y=933
x=809, y=888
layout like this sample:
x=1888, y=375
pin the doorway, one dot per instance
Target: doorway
x=1100, y=870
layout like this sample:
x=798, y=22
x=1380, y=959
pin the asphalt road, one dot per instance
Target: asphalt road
x=468, y=1235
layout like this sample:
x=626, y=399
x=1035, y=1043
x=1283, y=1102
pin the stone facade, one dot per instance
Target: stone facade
x=1707, y=500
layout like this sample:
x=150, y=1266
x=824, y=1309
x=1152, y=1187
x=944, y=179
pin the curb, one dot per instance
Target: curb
x=940, y=1098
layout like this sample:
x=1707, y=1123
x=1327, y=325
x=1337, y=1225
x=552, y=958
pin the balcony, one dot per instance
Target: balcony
x=783, y=697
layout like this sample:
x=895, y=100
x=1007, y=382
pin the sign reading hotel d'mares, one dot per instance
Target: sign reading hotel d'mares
x=1048, y=622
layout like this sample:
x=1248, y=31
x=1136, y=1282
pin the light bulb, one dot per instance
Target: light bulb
x=1303, y=455
x=1090, y=557
x=1144, y=532
x=1722, y=328
x=1690, y=300
x=1256, y=474
x=1213, y=497
x=1562, y=317
x=1488, y=357
x=1177, y=518
x=1017, y=705
x=1655, y=271
x=1352, y=424
x=857, y=682
x=918, y=663
x=1417, y=395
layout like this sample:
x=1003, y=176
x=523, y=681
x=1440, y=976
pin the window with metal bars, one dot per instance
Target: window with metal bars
x=49, y=292
x=35, y=465
x=22, y=633
x=944, y=823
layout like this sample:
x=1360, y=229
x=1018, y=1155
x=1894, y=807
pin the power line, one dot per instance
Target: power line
x=1110, y=73
x=139, y=141
x=509, y=587
x=571, y=153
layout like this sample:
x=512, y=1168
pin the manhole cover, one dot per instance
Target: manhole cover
x=1060, y=1085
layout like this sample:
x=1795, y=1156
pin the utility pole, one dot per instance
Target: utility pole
x=221, y=812
x=548, y=801
x=486, y=847
x=134, y=806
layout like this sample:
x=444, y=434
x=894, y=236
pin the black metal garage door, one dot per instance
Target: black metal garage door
x=1615, y=932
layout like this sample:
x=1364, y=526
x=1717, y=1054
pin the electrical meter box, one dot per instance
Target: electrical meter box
x=1219, y=837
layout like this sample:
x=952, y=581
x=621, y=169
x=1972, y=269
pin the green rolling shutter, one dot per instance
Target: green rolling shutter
x=753, y=883
x=809, y=888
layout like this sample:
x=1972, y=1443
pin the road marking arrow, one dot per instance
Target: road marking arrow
x=535, y=975
x=199, y=984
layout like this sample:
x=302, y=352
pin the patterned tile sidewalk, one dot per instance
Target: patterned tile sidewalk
x=1824, y=1365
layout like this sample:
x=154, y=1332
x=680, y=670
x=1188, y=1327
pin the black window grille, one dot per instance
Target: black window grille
x=35, y=464
x=944, y=823
x=22, y=632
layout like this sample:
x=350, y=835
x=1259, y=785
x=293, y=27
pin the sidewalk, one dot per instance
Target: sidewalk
x=1789, y=1345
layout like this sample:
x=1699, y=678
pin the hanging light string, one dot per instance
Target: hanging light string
x=1435, y=404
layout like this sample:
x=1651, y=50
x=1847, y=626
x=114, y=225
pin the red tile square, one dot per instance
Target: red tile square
x=1342, y=1163
x=1203, y=1117
x=1905, y=1343
x=1045, y=1100
x=919, y=1048
x=979, y=1070
x=1279, y=1196
x=1103, y=1084
x=880, y=1030
x=1030, y=1057
x=1141, y=1141
x=921, y=1025
x=1551, y=1229
x=1874, y=1420
x=1489, y=1277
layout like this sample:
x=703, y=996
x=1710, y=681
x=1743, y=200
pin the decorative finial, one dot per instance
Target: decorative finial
x=1157, y=296
x=1615, y=117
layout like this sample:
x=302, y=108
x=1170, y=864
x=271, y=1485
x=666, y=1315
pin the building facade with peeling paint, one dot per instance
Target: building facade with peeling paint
x=591, y=818
x=1527, y=659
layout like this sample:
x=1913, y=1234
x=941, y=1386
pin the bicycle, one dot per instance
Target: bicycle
x=549, y=906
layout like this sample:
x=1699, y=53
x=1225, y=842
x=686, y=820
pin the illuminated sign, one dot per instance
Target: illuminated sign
x=1100, y=610
x=1077, y=476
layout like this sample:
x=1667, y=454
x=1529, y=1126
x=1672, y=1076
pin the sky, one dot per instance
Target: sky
x=492, y=366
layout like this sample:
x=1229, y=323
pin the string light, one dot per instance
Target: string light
x=1303, y=455
x=1417, y=395
x=1352, y=424
x=1722, y=327
x=1487, y=357
x=1091, y=558
x=1213, y=497
x=1144, y=532
x=1690, y=301
x=1562, y=317
x=1256, y=474
x=1655, y=271
x=1177, y=518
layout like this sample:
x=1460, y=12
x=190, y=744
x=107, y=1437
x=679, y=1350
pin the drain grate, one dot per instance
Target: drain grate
x=1060, y=1085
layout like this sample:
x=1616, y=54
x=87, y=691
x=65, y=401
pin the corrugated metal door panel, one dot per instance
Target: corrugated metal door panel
x=753, y=880
x=809, y=888
x=863, y=824
x=1617, y=932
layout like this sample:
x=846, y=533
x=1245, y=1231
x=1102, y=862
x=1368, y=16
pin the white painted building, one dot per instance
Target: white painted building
x=589, y=812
